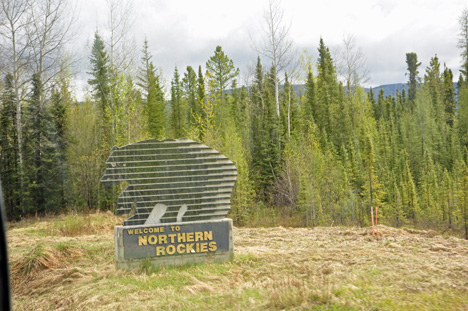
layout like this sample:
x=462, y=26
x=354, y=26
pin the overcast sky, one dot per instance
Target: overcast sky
x=186, y=32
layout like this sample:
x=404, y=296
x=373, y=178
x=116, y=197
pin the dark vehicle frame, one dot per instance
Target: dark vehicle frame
x=5, y=300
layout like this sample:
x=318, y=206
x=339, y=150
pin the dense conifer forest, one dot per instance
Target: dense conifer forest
x=320, y=156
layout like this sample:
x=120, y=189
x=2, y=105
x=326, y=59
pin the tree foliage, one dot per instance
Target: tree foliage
x=318, y=153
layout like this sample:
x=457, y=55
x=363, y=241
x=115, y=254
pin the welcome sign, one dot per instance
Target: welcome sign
x=178, y=194
x=212, y=239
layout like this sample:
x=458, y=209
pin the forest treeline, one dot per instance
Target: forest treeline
x=319, y=158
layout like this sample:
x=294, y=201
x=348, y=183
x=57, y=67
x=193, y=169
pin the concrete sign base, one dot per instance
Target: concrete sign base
x=172, y=244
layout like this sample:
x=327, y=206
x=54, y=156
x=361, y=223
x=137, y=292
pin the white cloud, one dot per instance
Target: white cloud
x=186, y=32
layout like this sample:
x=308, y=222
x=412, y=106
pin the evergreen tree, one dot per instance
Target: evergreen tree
x=201, y=103
x=310, y=101
x=462, y=116
x=36, y=143
x=327, y=93
x=189, y=86
x=200, y=86
x=9, y=157
x=222, y=70
x=413, y=80
x=379, y=105
x=60, y=104
x=264, y=132
x=448, y=92
x=178, y=114
x=235, y=109
x=153, y=95
x=433, y=82
x=371, y=97
x=101, y=85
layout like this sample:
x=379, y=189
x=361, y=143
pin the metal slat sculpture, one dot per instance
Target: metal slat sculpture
x=173, y=180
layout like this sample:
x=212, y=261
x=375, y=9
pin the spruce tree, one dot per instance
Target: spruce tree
x=153, y=95
x=327, y=87
x=222, y=70
x=371, y=97
x=101, y=85
x=433, y=82
x=310, y=101
x=36, y=142
x=61, y=101
x=448, y=92
x=178, y=115
x=329, y=98
x=9, y=157
x=265, y=132
x=189, y=87
x=413, y=79
x=200, y=86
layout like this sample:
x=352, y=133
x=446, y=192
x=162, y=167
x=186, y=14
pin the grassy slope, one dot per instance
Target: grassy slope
x=67, y=263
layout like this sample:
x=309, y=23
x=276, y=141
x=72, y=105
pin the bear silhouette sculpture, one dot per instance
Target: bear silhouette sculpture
x=171, y=180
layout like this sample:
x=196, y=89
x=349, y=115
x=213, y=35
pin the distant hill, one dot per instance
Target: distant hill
x=389, y=89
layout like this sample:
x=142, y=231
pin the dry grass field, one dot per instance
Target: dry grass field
x=67, y=263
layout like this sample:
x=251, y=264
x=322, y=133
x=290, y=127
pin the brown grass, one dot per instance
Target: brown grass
x=273, y=269
x=81, y=224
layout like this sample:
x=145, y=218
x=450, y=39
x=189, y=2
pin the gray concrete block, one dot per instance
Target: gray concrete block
x=173, y=244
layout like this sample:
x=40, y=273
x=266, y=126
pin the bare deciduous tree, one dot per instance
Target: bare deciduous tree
x=120, y=23
x=463, y=40
x=351, y=64
x=14, y=14
x=48, y=33
x=275, y=43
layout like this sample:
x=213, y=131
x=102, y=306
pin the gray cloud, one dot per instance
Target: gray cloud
x=187, y=33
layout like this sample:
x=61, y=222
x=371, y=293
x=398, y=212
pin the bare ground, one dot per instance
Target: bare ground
x=54, y=268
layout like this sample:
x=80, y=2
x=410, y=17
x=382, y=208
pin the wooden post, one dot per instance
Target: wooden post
x=376, y=218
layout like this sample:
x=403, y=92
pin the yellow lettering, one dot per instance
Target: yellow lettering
x=170, y=249
x=152, y=239
x=197, y=248
x=208, y=235
x=189, y=248
x=198, y=236
x=142, y=240
x=181, y=248
x=172, y=236
x=212, y=246
x=130, y=232
x=145, y=230
x=180, y=237
x=203, y=247
x=151, y=230
x=190, y=237
x=163, y=239
x=161, y=229
x=160, y=251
